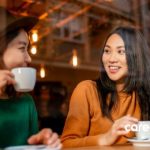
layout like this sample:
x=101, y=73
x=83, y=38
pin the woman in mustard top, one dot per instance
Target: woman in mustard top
x=18, y=116
x=99, y=111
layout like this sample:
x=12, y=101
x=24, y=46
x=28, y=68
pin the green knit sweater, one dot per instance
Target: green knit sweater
x=18, y=120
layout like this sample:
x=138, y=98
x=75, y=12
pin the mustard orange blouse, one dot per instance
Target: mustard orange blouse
x=85, y=122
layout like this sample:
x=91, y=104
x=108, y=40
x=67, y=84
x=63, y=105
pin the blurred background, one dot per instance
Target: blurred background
x=66, y=43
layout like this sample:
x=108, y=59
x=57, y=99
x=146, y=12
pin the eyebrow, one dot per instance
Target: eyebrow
x=22, y=43
x=117, y=46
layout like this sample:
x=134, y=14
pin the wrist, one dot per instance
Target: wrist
x=107, y=138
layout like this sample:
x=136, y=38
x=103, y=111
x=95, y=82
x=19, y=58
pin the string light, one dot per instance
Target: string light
x=33, y=50
x=34, y=36
x=74, y=58
x=42, y=72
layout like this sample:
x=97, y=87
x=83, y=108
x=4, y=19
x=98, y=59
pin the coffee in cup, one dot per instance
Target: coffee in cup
x=25, y=78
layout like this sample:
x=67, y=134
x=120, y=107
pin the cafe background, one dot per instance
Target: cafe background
x=66, y=42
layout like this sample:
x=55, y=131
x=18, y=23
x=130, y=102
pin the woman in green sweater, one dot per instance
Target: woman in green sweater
x=18, y=116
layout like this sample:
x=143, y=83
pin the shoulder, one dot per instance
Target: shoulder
x=85, y=94
x=85, y=89
x=26, y=98
x=86, y=84
x=29, y=103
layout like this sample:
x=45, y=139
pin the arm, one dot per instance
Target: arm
x=119, y=131
x=76, y=130
x=33, y=122
x=77, y=124
x=45, y=136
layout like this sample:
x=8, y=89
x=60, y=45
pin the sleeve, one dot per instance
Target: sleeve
x=77, y=124
x=33, y=119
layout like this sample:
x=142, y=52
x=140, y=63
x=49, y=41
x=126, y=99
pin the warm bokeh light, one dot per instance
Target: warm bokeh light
x=34, y=36
x=42, y=72
x=75, y=58
x=33, y=50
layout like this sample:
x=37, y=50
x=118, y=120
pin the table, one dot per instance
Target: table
x=117, y=147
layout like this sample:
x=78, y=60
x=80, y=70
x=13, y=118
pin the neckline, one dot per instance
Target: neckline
x=123, y=94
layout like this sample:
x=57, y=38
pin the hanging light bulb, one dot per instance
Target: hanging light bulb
x=34, y=36
x=42, y=72
x=33, y=50
x=74, y=58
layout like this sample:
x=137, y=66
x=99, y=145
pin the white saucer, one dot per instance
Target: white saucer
x=30, y=147
x=139, y=142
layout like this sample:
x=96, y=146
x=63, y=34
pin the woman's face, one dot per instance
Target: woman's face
x=16, y=54
x=114, y=58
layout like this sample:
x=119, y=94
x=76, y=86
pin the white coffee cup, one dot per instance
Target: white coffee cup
x=143, y=131
x=25, y=78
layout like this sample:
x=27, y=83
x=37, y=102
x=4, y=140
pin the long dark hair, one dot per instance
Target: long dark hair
x=138, y=78
x=4, y=41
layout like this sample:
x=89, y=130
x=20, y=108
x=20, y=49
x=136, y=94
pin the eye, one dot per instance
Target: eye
x=22, y=49
x=107, y=51
x=121, y=51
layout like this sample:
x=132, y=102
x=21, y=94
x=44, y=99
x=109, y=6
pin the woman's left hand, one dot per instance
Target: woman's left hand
x=47, y=137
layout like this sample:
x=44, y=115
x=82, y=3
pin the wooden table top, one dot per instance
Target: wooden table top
x=117, y=147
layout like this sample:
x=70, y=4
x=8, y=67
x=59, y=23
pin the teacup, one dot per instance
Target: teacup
x=143, y=130
x=25, y=78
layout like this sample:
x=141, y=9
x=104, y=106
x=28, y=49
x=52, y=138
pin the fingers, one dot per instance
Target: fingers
x=122, y=132
x=5, y=73
x=3, y=83
x=6, y=77
x=132, y=119
x=53, y=140
x=9, y=80
x=119, y=126
x=40, y=137
x=33, y=139
x=47, y=137
x=126, y=119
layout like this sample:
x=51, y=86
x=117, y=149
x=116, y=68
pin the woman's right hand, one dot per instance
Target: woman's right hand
x=6, y=78
x=117, y=129
x=46, y=136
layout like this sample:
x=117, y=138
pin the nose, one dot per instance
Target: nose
x=113, y=58
x=28, y=58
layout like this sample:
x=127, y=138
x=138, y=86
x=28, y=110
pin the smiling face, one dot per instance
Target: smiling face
x=16, y=53
x=114, y=59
